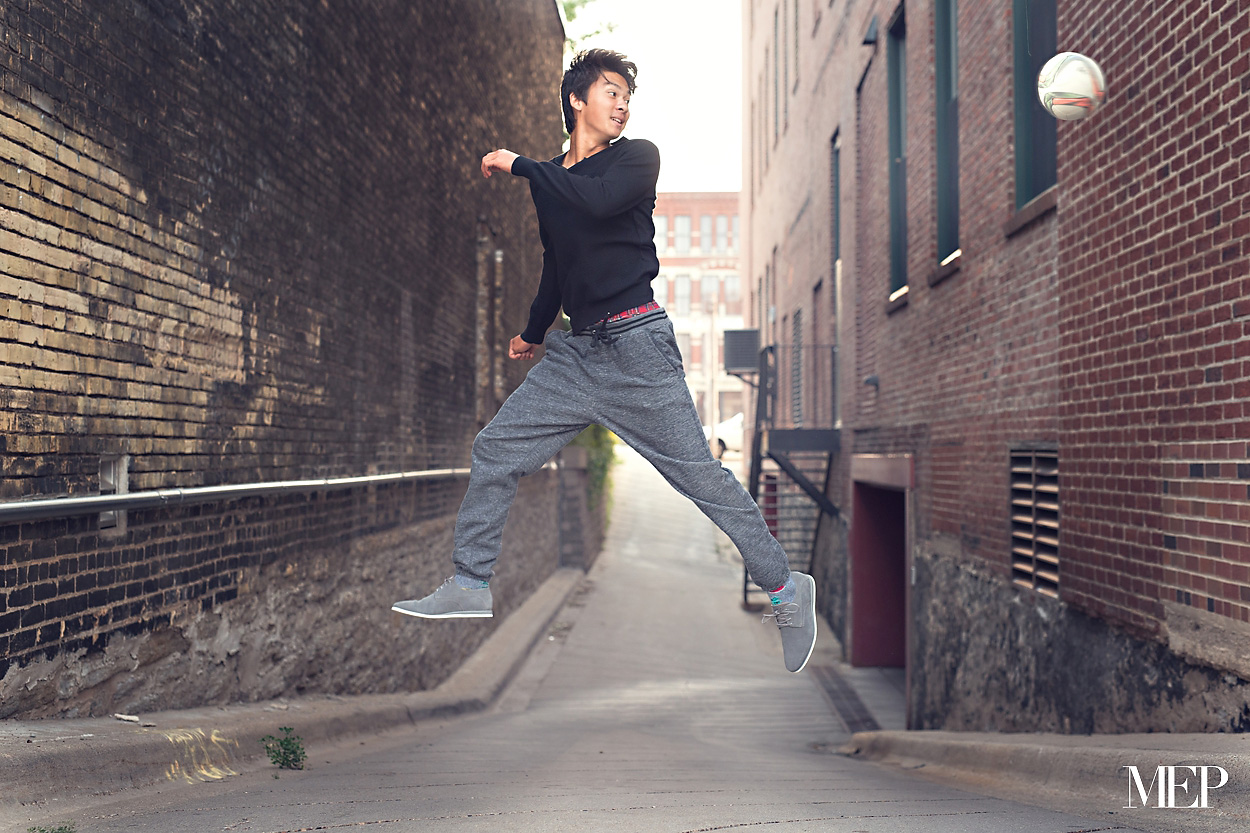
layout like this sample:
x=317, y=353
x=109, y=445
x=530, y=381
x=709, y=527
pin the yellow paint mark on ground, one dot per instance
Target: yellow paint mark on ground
x=201, y=756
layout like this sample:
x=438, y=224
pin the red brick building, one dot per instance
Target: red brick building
x=1042, y=346
x=698, y=239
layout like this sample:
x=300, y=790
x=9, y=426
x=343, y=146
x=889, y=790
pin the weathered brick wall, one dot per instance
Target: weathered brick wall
x=1155, y=230
x=238, y=243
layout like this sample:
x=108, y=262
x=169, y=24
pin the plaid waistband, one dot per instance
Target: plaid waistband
x=650, y=306
x=625, y=321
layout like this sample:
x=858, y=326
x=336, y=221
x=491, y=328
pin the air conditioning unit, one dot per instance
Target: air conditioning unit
x=742, y=351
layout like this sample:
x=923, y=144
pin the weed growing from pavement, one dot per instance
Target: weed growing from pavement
x=286, y=752
x=60, y=828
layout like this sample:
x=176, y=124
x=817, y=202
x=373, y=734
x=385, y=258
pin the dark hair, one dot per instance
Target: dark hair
x=584, y=70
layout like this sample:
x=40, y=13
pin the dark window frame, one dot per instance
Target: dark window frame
x=1035, y=38
x=896, y=64
x=946, y=134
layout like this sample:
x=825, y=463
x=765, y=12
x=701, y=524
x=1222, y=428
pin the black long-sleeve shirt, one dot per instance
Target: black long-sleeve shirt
x=597, y=234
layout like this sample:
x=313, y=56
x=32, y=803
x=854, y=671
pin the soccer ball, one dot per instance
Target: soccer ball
x=1071, y=86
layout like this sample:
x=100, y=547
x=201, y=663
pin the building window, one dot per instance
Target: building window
x=785, y=63
x=734, y=242
x=722, y=234
x=661, y=233
x=705, y=234
x=759, y=307
x=776, y=74
x=896, y=62
x=754, y=150
x=946, y=50
x=835, y=197
x=796, y=45
x=681, y=234
x=681, y=287
x=764, y=119
x=770, y=292
x=796, y=370
x=1035, y=520
x=708, y=290
x=733, y=289
x=1034, y=27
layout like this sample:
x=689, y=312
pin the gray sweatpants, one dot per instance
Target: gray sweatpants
x=634, y=386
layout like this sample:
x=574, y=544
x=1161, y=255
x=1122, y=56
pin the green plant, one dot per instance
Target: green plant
x=286, y=752
x=598, y=442
x=60, y=828
x=573, y=44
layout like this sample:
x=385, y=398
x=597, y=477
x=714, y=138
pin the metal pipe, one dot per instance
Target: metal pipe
x=65, y=507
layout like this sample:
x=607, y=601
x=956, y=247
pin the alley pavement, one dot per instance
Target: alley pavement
x=651, y=702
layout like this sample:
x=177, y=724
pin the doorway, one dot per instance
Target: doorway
x=878, y=576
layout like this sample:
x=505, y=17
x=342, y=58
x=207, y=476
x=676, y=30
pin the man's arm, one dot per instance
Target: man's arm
x=630, y=179
x=547, y=301
x=545, y=306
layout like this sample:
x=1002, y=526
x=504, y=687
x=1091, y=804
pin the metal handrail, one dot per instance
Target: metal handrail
x=65, y=507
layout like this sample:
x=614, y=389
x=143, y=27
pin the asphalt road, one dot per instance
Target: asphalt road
x=655, y=704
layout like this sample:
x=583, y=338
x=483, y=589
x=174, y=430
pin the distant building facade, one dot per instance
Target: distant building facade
x=698, y=239
x=1042, y=331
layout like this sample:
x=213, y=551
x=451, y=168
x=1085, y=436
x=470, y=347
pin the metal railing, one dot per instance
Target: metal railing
x=65, y=507
x=796, y=419
x=798, y=386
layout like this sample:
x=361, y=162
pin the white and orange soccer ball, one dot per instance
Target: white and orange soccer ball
x=1071, y=86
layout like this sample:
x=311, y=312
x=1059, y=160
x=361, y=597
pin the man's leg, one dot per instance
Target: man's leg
x=540, y=417
x=652, y=411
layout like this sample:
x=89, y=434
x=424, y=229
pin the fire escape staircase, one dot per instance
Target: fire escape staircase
x=792, y=448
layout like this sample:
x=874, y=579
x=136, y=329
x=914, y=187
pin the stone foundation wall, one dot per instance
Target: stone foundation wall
x=988, y=657
x=314, y=619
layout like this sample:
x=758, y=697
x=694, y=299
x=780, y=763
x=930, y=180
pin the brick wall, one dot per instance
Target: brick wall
x=965, y=365
x=1109, y=325
x=238, y=243
x=1154, y=225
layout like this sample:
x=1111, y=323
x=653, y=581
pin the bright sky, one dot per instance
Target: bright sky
x=689, y=97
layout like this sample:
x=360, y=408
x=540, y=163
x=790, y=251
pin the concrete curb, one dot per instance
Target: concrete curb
x=75, y=758
x=1086, y=765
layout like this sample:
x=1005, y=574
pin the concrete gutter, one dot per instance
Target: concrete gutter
x=81, y=757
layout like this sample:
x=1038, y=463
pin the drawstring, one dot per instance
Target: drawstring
x=601, y=333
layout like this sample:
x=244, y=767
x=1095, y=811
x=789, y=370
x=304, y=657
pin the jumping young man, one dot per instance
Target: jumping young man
x=618, y=366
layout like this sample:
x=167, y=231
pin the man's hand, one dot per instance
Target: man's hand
x=519, y=348
x=498, y=160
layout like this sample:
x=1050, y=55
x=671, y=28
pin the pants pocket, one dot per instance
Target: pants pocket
x=666, y=346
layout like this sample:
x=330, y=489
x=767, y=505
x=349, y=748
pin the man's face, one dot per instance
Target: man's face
x=606, y=108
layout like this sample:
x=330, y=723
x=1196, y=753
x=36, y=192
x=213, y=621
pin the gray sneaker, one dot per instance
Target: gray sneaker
x=449, y=601
x=797, y=622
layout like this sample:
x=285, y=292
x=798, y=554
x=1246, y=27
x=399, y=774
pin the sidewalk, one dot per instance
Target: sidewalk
x=1077, y=773
x=640, y=697
x=66, y=760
